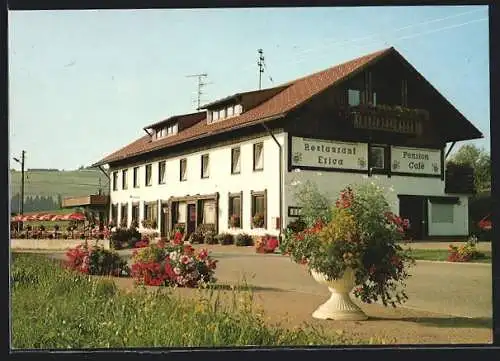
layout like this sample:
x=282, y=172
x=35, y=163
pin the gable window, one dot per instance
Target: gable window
x=209, y=117
x=124, y=215
x=259, y=209
x=354, y=97
x=258, y=156
x=204, y=166
x=235, y=161
x=238, y=109
x=149, y=169
x=136, y=177
x=230, y=111
x=183, y=169
x=222, y=113
x=125, y=179
x=235, y=210
x=215, y=115
x=115, y=181
x=161, y=172
x=377, y=157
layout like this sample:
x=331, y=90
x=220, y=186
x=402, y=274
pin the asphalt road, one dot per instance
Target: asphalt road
x=463, y=290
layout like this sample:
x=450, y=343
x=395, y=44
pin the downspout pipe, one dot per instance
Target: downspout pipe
x=280, y=177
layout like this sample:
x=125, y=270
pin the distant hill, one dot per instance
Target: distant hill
x=57, y=184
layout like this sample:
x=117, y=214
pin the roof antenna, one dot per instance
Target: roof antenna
x=201, y=84
x=260, y=63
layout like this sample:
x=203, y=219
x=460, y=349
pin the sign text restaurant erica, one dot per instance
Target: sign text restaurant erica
x=334, y=150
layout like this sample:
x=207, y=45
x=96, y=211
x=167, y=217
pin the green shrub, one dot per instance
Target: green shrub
x=196, y=237
x=210, y=238
x=243, y=239
x=225, y=238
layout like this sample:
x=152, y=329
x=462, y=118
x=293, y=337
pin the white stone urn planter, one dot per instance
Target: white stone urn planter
x=340, y=306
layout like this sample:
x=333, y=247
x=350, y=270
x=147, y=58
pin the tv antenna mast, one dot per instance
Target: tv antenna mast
x=261, y=65
x=201, y=84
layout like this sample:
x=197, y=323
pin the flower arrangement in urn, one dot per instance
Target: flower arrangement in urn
x=351, y=245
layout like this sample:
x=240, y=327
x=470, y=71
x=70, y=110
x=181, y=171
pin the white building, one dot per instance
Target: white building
x=372, y=116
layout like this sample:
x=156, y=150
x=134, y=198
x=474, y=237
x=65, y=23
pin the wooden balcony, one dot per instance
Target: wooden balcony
x=388, y=119
x=93, y=200
x=459, y=179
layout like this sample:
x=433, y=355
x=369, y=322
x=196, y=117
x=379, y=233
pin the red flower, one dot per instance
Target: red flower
x=178, y=238
x=203, y=254
x=188, y=250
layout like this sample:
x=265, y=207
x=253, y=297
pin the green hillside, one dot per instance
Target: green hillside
x=56, y=184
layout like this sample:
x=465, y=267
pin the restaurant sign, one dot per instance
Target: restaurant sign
x=306, y=152
x=416, y=160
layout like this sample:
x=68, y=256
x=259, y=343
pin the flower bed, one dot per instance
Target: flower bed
x=266, y=244
x=172, y=264
x=464, y=253
x=95, y=260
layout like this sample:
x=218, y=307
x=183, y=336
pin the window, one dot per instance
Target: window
x=238, y=109
x=183, y=168
x=230, y=111
x=209, y=116
x=442, y=212
x=377, y=157
x=259, y=209
x=115, y=181
x=258, y=156
x=235, y=161
x=235, y=210
x=149, y=171
x=222, y=113
x=354, y=97
x=175, y=128
x=136, y=177
x=215, y=115
x=204, y=166
x=114, y=213
x=150, y=211
x=135, y=212
x=125, y=179
x=181, y=212
x=161, y=172
x=208, y=207
x=124, y=215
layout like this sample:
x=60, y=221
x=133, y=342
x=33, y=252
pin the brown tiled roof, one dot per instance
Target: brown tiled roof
x=297, y=92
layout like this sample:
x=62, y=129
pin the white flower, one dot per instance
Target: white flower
x=173, y=255
x=177, y=270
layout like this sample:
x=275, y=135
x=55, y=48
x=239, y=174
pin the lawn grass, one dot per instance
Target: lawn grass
x=54, y=308
x=442, y=255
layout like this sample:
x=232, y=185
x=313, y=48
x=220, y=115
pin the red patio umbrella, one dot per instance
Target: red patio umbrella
x=77, y=217
x=45, y=217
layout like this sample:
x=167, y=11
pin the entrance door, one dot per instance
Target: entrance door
x=414, y=208
x=191, y=219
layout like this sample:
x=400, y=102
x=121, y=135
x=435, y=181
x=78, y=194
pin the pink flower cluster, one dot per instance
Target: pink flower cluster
x=173, y=263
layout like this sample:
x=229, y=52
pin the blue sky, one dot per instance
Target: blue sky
x=83, y=83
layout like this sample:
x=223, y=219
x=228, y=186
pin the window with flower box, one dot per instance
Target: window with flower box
x=259, y=209
x=114, y=213
x=235, y=209
x=235, y=160
x=148, y=174
x=124, y=215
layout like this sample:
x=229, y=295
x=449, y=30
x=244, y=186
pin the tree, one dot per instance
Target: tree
x=479, y=160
